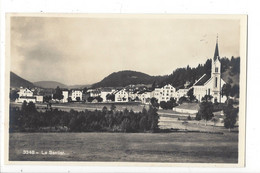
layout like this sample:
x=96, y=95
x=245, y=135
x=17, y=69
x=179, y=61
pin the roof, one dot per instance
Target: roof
x=143, y=91
x=216, y=53
x=28, y=97
x=106, y=90
x=202, y=80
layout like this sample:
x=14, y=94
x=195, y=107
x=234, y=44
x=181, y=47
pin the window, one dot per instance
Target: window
x=216, y=70
x=216, y=82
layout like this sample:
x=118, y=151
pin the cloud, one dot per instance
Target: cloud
x=85, y=50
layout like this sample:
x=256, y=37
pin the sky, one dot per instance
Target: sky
x=84, y=50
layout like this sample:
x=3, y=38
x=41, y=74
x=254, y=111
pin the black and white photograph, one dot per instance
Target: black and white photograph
x=117, y=88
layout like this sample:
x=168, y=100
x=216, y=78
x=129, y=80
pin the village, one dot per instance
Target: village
x=210, y=85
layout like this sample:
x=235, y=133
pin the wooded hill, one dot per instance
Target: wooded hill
x=127, y=77
x=230, y=69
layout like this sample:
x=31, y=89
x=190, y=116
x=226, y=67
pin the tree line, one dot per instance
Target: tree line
x=29, y=119
x=179, y=76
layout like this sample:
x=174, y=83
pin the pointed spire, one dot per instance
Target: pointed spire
x=216, y=54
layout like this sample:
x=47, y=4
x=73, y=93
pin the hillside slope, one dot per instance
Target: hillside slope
x=49, y=84
x=17, y=81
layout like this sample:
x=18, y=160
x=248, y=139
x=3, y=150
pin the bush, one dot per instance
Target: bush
x=163, y=105
x=182, y=100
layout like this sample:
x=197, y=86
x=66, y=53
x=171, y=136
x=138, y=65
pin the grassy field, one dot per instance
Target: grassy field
x=139, y=147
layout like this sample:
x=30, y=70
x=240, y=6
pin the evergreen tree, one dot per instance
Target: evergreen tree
x=230, y=115
x=205, y=111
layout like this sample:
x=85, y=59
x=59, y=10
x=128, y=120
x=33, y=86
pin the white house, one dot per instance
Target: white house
x=25, y=95
x=94, y=92
x=25, y=92
x=27, y=99
x=75, y=93
x=211, y=85
x=121, y=96
x=145, y=96
x=181, y=93
x=65, y=94
x=164, y=93
x=39, y=99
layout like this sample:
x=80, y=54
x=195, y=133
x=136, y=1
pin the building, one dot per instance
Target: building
x=25, y=94
x=164, y=93
x=211, y=85
x=76, y=95
x=27, y=99
x=145, y=96
x=182, y=92
x=121, y=96
x=94, y=92
x=39, y=99
x=104, y=92
x=65, y=94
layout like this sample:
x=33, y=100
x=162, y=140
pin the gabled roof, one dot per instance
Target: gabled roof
x=202, y=80
x=143, y=91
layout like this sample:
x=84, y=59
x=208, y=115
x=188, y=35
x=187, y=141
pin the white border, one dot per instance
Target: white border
x=160, y=6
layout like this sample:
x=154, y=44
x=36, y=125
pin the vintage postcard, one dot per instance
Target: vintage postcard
x=117, y=89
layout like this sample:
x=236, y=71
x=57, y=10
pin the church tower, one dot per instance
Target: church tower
x=216, y=75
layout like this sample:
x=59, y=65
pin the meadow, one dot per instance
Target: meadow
x=178, y=147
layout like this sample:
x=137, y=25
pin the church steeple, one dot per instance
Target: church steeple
x=216, y=54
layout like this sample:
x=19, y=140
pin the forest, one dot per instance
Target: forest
x=179, y=76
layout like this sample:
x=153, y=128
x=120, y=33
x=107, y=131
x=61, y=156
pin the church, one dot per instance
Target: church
x=211, y=85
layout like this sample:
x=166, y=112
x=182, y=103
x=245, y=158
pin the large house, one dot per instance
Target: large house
x=164, y=93
x=121, y=96
x=76, y=95
x=26, y=94
x=94, y=92
x=211, y=85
